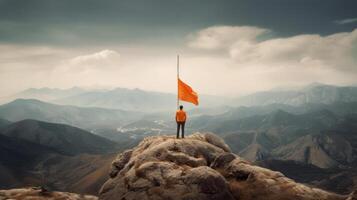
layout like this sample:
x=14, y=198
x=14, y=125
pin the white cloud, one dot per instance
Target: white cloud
x=24, y=66
x=104, y=55
x=336, y=51
x=346, y=21
x=256, y=64
x=104, y=58
x=217, y=37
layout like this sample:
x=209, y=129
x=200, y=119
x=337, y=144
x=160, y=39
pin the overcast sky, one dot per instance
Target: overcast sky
x=227, y=47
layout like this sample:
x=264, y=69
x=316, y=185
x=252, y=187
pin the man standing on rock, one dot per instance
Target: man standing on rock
x=181, y=120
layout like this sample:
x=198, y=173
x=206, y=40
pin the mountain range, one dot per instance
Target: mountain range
x=117, y=98
x=316, y=135
x=322, y=137
x=150, y=101
x=313, y=93
x=49, y=94
x=88, y=118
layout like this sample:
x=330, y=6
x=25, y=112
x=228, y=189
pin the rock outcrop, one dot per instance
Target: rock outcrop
x=198, y=167
x=353, y=196
x=38, y=194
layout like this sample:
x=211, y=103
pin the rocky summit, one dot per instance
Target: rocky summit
x=198, y=167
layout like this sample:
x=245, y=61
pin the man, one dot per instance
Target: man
x=181, y=120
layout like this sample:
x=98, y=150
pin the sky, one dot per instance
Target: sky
x=226, y=47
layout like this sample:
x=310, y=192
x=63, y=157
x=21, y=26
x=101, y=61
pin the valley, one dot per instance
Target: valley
x=72, y=146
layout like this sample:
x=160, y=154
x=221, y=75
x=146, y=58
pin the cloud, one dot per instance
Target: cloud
x=256, y=62
x=105, y=57
x=24, y=66
x=224, y=60
x=218, y=37
x=22, y=54
x=346, y=21
x=242, y=44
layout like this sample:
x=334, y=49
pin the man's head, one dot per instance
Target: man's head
x=181, y=107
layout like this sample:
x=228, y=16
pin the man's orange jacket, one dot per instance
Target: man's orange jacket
x=180, y=116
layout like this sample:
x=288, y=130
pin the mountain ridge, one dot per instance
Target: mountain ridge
x=63, y=138
x=315, y=93
x=21, y=109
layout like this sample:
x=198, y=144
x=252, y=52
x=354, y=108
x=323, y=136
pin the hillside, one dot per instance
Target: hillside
x=82, y=173
x=18, y=158
x=323, y=135
x=58, y=156
x=4, y=122
x=18, y=153
x=88, y=118
x=324, y=151
x=337, y=180
x=62, y=138
x=200, y=166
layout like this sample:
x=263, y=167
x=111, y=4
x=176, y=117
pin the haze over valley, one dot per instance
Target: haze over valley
x=310, y=129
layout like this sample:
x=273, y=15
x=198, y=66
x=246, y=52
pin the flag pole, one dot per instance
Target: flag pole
x=178, y=76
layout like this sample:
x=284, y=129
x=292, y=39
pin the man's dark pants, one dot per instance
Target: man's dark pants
x=182, y=125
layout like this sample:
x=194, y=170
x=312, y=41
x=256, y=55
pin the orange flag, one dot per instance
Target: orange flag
x=185, y=93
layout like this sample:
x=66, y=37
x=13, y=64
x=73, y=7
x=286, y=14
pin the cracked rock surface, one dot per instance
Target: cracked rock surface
x=198, y=167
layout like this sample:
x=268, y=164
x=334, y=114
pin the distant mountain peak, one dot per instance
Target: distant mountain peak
x=314, y=84
x=22, y=100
